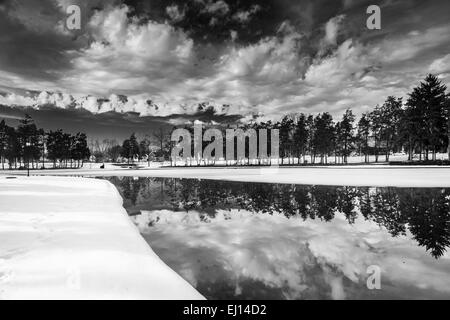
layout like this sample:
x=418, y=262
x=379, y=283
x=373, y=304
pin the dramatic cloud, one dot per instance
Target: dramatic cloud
x=332, y=28
x=216, y=7
x=174, y=13
x=441, y=65
x=264, y=58
x=246, y=15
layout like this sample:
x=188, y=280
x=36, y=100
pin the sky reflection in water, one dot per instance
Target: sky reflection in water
x=278, y=241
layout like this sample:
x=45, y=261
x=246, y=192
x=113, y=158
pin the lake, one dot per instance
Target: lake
x=241, y=240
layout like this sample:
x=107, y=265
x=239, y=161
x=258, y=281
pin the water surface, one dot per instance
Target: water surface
x=236, y=240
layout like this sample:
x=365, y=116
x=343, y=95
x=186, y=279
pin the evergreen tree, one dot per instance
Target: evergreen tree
x=427, y=103
x=390, y=114
x=363, y=136
x=447, y=114
x=310, y=127
x=55, y=146
x=347, y=133
x=79, y=149
x=376, y=124
x=285, y=126
x=3, y=142
x=130, y=148
x=323, y=135
x=28, y=136
x=300, y=138
x=337, y=141
x=12, y=147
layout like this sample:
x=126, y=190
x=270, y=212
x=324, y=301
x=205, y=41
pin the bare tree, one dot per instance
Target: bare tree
x=161, y=137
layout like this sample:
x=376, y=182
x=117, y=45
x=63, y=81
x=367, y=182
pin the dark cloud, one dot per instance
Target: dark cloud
x=306, y=15
x=29, y=51
x=258, y=56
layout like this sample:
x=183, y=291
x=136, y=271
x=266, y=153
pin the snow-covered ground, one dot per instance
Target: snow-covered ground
x=354, y=174
x=370, y=175
x=70, y=238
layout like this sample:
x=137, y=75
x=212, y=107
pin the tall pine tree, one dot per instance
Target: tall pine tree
x=427, y=104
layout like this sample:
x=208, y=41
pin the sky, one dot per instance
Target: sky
x=168, y=62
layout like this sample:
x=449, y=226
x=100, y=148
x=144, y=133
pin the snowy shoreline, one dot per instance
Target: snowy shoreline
x=70, y=238
x=370, y=175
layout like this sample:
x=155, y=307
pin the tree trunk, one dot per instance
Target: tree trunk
x=345, y=151
x=410, y=150
x=448, y=133
x=366, y=156
x=448, y=147
x=387, y=151
x=376, y=150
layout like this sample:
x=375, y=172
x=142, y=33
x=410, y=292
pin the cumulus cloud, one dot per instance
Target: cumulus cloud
x=16, y=100
x=216, y=7
x=163, y=69
x=175, y=13
x=131, y=58
x=234, y=35
x=349, y=58
x=140, y=104
x=332, y=29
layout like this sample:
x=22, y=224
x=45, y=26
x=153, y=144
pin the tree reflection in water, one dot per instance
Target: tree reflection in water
x=425, y=212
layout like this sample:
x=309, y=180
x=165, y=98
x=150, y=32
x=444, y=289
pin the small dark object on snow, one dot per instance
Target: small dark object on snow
x=102, y=166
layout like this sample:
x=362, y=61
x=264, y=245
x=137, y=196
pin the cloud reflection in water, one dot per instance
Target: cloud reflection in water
x=315, y=248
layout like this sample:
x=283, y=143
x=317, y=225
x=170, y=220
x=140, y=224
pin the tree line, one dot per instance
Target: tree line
x=419, y=126
x=152, y=147
x=30, y=146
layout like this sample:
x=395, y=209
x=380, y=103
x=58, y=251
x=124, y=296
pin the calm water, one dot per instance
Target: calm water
x=279, y=241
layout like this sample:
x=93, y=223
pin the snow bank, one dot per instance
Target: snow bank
x=70, y=238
